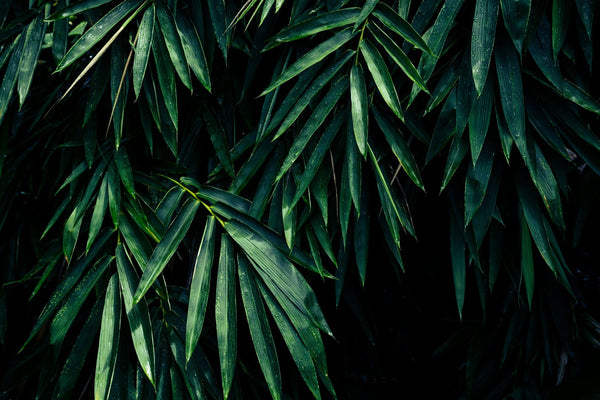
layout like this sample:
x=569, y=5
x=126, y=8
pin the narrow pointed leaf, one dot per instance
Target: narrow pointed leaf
x=561, y=16
x=482, y=40
x=398, y=24
x=193, y=49
x=479, y=121
x=399, y=57
x=76, y=8
x=527, y=262
x=173, y=43
x=365, y=11
x=166, y=248
x=10, y=75
x=70, y=308
x=219, y=140
x=137, y=315
x=359, y=107
x=311, y=58
x=142, y=49
x=225, y=314
x=516, y=14
x=125, y=171
x=317, y=118
x=381, y=76
x=218, y=17
x=99, y=212
x=457, y=252
x=29, y=59
x=320, y=23
x=108, y=344
x=98, y=31
x=259, y=329
x=200, y=287
x=288, y=212
x=166, y=77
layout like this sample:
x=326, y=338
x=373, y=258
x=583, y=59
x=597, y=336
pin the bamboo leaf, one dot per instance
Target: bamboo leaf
x=516, y=14
x=219, y=141
x=399, y=147
x=457, y=252
x=359, y=107
x=193, y=49
x=10, y=74
x=98, y=214
x=311, y=58
x=225, y=314
x=200, y=287
x=381, y=76
x=561, y=16
x=288, y=212
x=29, y=59
x=320, y=23
x=317, y=118
x=173, y=43
x=218, y=17
x=511, y=95
x=166, y=77
x=166, y=248
x=70, y=308
x=527, y=262
x=76, y=8
x=365, y=11
x=398, y=24
x=399, y=57
x=124, y=169
x=482, y=40
x=137, y=315
x=98, y=31
x=479, y=121
x=108, y=343
x=142, y=49
x=317, y=157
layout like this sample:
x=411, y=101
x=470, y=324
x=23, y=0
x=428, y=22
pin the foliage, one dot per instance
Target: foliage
x=192, y=190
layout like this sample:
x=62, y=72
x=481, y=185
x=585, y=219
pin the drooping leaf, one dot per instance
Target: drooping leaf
x=259, y=328
x=365, y=11
x=99, y=30
x=482, y=40
x=137, y=315
x=142, y=49
x=381, y=76
x=199, y=288
x=173, y=44
x=225, y=313
x=320, y=23
x=457, y=252
x=398, y=24
x=359, y=107
x=311, y=58
x=527, y=263
x=108, y=344
x=516, y=16
x=166, y=248
x=193, y=49
x=29, y=59
x=479, y=121
x=76, y=8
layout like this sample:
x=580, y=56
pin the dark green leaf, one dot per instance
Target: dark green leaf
x=527, y=262
x=482, y=40
x=166, y=248
x=76, y=8
x=193, y=49
x=173, y=43
x=29, y=59
x=398, y=24
x=320, y=23
x=516, y=15
x=365, y=11
x=199, y=288
x=108, y=344
x=360, y=107
x=142, y=49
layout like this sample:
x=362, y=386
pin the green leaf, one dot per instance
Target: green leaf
x=108, y=344
x=142, y=49
x=317, y=118
x=125, y=171
x=98, y=31
x=70, y=308
x=218, y=17
x=482, y=40
x=511, y=95
x=191, y=372
x=398, y=24
x=561, y=16
x=193, y=49
x=173, y=43
x=458, y=151
x=31, y=52
x=476, y=182
x=166, y=248
x=479, y=121
x=399, y=57
x=361, y=234
x=399, y=147
x=310, y=93
x=259, y=329
x=527, y=262
x=457, y=253
x=218, y=138
x=73, y=365
x=288, y=212
x=324, y=22
x=166, y=77
x=98, y=214
x=200, y=287
x=225, y=314
x=311, y=58
x=516, y=14
x=114, y=194
x=359, y=107
x=365, y=11
x=118, y=89
x=586, y=12
x=298, y=350
x=317, y=157
x=10, y=75
x=580, y=97
x=381, y=76
x=77, y=8
x=352, y=169
x=137, y=314
x=272, y=263
x=60, y=30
